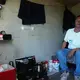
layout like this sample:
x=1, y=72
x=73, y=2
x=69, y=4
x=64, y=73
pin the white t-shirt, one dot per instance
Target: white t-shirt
x=73, y=39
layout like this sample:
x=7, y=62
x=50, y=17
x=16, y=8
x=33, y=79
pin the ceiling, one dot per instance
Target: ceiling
x=70, y=2
x=51, y=2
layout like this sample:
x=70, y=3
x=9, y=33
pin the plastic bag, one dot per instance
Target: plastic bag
x=53, y=67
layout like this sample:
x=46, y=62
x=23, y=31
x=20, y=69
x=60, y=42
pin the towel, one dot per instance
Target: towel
x=31, y=13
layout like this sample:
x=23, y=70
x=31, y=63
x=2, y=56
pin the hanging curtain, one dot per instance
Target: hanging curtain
x=2, y=2
x=68, y=20
x=31, y=13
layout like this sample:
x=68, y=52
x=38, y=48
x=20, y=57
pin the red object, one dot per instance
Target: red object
x=8, y=75
x=1, y=37
x=54, y=61
x=46, y=62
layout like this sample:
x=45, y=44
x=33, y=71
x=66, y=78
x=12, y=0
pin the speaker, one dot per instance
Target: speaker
x=7, y=37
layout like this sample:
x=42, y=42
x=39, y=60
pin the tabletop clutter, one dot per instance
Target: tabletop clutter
x=29, y=69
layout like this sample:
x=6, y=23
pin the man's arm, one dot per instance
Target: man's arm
x=71, y=53
x=64, y=45
x=65, y=40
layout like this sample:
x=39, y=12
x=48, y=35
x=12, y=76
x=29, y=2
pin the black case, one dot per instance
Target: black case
x=25, y=69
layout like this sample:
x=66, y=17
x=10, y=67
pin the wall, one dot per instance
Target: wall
x=43, y=41
x=76, y=9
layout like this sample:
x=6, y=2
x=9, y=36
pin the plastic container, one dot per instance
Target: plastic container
x=9, y=73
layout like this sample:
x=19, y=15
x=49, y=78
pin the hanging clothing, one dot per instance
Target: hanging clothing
x=31, y=13
x=2, y=2
x=68, y=20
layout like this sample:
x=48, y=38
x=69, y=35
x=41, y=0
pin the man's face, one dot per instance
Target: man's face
x=77, y=22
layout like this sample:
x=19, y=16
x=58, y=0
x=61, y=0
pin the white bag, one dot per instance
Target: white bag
x=53, y=67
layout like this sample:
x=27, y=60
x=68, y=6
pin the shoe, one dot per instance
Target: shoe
x=64, y=75
x=77, y=77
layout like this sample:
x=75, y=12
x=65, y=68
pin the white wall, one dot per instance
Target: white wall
x=76, y=9
x=43, y=41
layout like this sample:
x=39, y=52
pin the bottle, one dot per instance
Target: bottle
x=50, y=66
x=38, y=71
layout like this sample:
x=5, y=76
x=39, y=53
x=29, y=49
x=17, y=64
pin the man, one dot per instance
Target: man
x=73, y=38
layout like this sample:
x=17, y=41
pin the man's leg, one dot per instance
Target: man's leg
x=62, y=57
x=77, y=61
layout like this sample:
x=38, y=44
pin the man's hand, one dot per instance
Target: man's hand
x=71, y=53
x=64, y=45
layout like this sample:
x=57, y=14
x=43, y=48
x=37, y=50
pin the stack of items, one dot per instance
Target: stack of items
x=28, y=69
x=25, y=68
x=41, y=71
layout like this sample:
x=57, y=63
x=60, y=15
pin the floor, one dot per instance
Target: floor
x=57, y=77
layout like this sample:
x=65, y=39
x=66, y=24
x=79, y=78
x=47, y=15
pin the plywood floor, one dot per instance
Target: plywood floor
x=57, y=77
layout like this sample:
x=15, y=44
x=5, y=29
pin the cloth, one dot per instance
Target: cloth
x=62, y=57
x=68, y=20
x=31, y=13
x=73, y=39
x=2, y=2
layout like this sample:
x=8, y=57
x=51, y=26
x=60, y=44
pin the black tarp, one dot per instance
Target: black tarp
x=68, y=20
x=31, y=13
x=2, y=2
